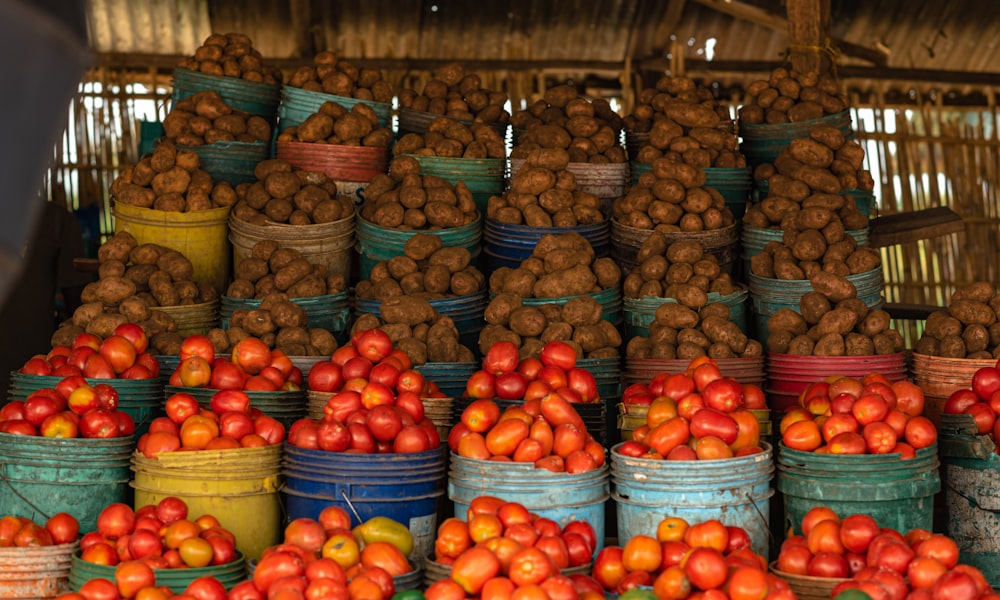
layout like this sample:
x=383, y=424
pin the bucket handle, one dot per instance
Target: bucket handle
x=3, y=476
x=772, y=542
x=350, y=505
x=972, y=501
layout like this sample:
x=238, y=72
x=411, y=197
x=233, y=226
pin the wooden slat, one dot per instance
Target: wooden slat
x=902, y=228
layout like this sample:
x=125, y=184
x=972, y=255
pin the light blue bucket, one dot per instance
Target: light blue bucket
x=640, y=312
x=233, y=162
x=329, y=311
x=483, y=176
x=376, y=243
x=298, y=104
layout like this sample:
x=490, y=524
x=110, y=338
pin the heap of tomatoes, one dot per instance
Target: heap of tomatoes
x=548, y=432
x=506, y=376
x=122, y=355
x=72, y=409
x=229, y=422
x=882, y=562
x=843, y=415
x=695, y=415
x=22, y=532
x=981, y=400
x=252, y=366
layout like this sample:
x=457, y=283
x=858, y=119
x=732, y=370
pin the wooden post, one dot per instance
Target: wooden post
x=808, y=35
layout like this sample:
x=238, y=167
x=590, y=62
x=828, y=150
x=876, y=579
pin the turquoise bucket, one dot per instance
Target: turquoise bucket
x=232, y=162
x=483, y=176
x=465, y=311
x=562, y=497
x=298, y=104
x=450, y=377
x=639, y=312
x=609, y=299
x=735, y=184
x=329, y=311
x=177, y=580
x=763, y=142
x=149, y=132
x=755, y=238
x=508, y=245
x=254, y=97
x=376, y=243
x=736, y=491
x=863, y=199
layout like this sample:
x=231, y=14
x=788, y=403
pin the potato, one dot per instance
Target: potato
x=834, y=287
x=786, y=319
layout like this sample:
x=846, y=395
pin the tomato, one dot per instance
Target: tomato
x=410, y=403
x=555, y=549
x=828, y=564
x=920, y=432
x=445, y=589
x=567, y=439
x=857, y=531
x=578, y=548
x=558, y=587
x=940, y=547
x=583, y=382
x=847, y=442
x=557, y=410
x=880, y=437
x=115, y=520
x=609, y=569
x=99, y=588
x=504, y=437
x=558, y=354
x=689, y=405
x=669, y=434
x=955, y=585
x=747, y=583
x=269, y=428
x=725, y=395
x=415, y=438
x=984, y=417
x=474, y=567
x=958, y=401
x=180, y=406
x=133, y=575
x=386, y=556
x=711, y=422
x=909, y=397
x=206, y=588
x=802, y=435
x=63, y=528
x=870, y=408
x=530, y=566
x=838, y=423
x=705, y=567
x=452, y=538
x=642, y=553
x=672, y=584
x=889, y=554
x=480, y=415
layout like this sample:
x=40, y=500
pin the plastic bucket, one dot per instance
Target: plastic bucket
x=286, y=407
x=193, y=319
x=237, y=486
x=508, y=245
x=737, y=491
x=562, y=497
x=177, y=580
x=450, y=377
x=938, y=377
x=609, y=299
x=745, y=370
x=465, y=311
x=352, y=167
x=640, y=312
x=763, y=142
x=403, y=487
x=439, y=411
x=789, y=374
x=721, y=243
x=605, y=180
x=298, y=104
x=328, y=244
x=329, y=311
x=35, y=572
x=633, y=416
x=201, y=236
x=897, y=493
x=43, y=476
x=483, y=176
x=232, y=162
x=974, y=510
x=149, y=132
x=734, y=183
x=376, y=243
x=417, y=121
x=254, y=97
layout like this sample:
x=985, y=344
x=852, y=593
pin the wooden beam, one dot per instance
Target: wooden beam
x=902, y=228
x=808, y=35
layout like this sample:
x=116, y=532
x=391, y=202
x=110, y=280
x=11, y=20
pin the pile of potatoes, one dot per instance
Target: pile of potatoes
x=449, y=138
x=969, y=327
x=405, y=199
x=672, y=197
x=828, y=326
x=171, y=179
x=577, y=322
x=334, y=124
x=417, y=329
x=271, y=268
x=285, y=194
x=205, y=118
x=231, y=55
x=279, y=323
x=810, y=252
x=425, y=269
x=559, y=266
x=685, y=332
x=543, y=194
x=680, y=270
x=788, y=96
x=686, y=124
x=331, y=75
x=587, y=129
x=133, y=279
x=454, y=93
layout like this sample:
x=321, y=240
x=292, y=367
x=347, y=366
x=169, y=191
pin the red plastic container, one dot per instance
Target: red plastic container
x=789, y=374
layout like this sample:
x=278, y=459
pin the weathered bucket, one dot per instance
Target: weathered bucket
x=939, y=377
x=737, y=491
x=483, y=176
x=745, y=370
x=298, y=104
x=232, y=162
x=465, y=311
x=605, y=180
x=254, y=97
x=562, y=497
x=285, y=406
x=35, y=572
x=201, y=236
x=721, y=243
x=238, y=486
x=329, y=311
x=897, y=493
x=417, y=121
x=763, y=142
x=735, y=184
x=328, y=244
x=42, y=476
x=640, y=312
x=789, y=374
x=593, y=414
x=377, y=243
x=351, y=167
x=609, y=299
x=508, y=245
x=450, y=377
x=439, y=411
x=404, y=487
x=755, y=238
x=633, y=416
x=193, y=319
x=177, y=580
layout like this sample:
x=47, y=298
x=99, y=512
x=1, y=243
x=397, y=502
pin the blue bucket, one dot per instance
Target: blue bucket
x=450, y=377
x=403, y=487
x=736, y=491
x=298, y=104
x=254, y=97
x=233, y=162
x=483, y=176
x=508, y=245
x=562, y=497
x=609, y=299
x=763, y=142
x=722, y=243
x=376, y=243
x=465, y=311
x=329, y=311
x=640, y=312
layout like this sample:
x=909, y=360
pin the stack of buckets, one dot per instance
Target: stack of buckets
x=376, y=243
x=605, y=180
x=788, y=374
x=35, y=572
x=329, y=311
x=483, y=176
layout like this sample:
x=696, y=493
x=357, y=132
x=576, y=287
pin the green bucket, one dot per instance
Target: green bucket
x=639, y=312
x=376, y=243
x=254, y=97
x=229, y=574
x=233, y=162
x=298, y=104
x=483, y=176
x=763, y=142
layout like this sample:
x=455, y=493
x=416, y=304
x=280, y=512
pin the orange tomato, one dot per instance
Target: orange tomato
x=671, y=529
x=642, y=553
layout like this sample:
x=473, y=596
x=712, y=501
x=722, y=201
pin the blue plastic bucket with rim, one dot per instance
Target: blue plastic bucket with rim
x=640, y=312
x=465, y=311
x=376, y=243
x=508, y=245
x=298, y=104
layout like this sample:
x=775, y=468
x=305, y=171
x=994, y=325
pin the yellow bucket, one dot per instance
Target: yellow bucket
x=239, y=487
x=202, y=236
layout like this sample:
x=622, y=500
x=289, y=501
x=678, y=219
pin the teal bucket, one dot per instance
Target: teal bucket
x=755, y=238
x=329, y=311
x=376, y=243
x=863, y=199
x=763, y=142
x=562, y=497
x=404, y=487
x=232, y=162
x=897, y=493
x=736, y=491
x=254, y=97
x=298, y=104
x=607, y=373
x=465, y=311
x=450, y=377
x=609, y=299
x=722, y=243
x=734, y=183
x=417, y=121
x=640, y=312
x=483, y=176
x=508, y=245
x=286, y=407
x=149, y=132
x=177, y=580
x=43, y=476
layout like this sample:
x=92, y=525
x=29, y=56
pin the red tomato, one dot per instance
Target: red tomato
x=828, y=564
x=857, y=532
x=725, y=395
x=711, y=422
x=373, y=344
x=63, y=527
x=706, y=568
x=920, y=432
x=504, y=437
x=384, y=422
x=557, y=411
x=99, y=588
x=802, y=435
x=206, y=588
x=558, y=354
x=133, y=575
x=115, y=520
x=983, y=415
x=480, y=415
x=473, y=568
x=530, y=566
x=502, y=357
x=609, y=569
x=413, y=438
x=880, y=437
x=642, y=553
x=275, y=565
x=958, y=401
